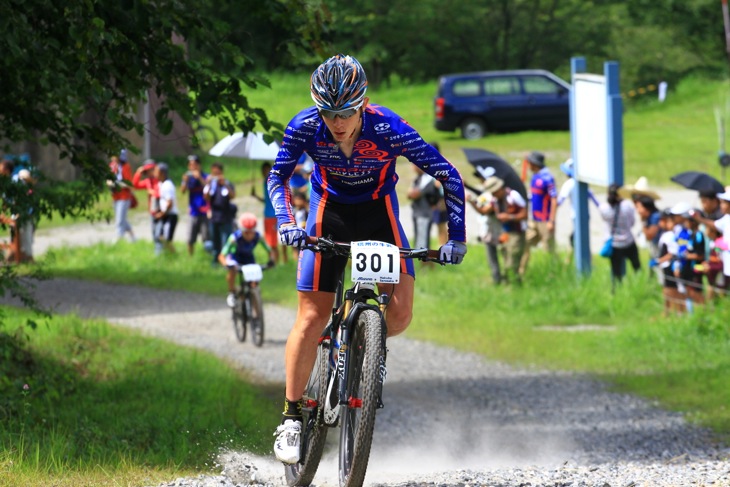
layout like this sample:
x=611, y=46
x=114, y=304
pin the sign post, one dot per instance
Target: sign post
x=596, y=135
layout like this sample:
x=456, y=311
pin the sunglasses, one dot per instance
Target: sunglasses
x=343, y=114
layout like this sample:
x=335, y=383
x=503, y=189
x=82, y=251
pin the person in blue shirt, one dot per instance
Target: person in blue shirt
x=354, y=145
x=543, y=204
x=238, y=251
x=193, y=182
x=271, y=232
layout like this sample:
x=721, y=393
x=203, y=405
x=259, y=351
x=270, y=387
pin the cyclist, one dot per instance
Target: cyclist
x=354, y=146
x=238, y=251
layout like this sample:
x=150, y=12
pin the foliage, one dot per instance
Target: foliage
x=652, y=40
x=75, y=72
x=83, y=398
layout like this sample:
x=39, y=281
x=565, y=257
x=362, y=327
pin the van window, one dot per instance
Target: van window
x=540, y=85
x=466, y=87
x=502, y=85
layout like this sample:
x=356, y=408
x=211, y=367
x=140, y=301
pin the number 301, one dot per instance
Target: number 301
x=376, y=262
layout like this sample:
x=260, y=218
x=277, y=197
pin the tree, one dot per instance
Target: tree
x=74, y=72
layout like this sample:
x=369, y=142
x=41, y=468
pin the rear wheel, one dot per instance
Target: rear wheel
x=473, y=128
x=358, y=417
x=314, y=431
x=239, y=320
x=257, y=317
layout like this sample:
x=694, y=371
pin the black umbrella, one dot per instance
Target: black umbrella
x=490, y=164
x=699, y=181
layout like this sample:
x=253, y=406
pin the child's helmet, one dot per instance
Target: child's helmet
x=248, y=221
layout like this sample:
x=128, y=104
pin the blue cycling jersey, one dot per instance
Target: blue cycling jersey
x=369, y=174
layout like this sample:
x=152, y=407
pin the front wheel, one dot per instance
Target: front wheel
x=366, y=364
x=257, y=317
x=239, y=320
x=314, y=431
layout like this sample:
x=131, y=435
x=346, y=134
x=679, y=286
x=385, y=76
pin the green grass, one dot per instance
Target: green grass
x=107, y=406
x=682, y=362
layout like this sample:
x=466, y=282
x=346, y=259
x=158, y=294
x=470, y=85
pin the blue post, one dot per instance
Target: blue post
x=581, y=240
x=614, y=113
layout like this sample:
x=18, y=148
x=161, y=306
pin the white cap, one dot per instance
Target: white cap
x=724, y=196
x=681, y=208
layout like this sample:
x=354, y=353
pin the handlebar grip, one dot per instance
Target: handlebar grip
x=433, y=254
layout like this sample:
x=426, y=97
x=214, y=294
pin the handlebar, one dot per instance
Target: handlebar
x=326, y=245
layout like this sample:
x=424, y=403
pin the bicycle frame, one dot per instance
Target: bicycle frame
x=347, y=307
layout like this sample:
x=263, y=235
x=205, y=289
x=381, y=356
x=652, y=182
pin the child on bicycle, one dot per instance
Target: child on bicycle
x=238, y=251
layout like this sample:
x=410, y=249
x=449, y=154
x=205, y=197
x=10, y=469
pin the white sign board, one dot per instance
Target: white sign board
x=591, y=129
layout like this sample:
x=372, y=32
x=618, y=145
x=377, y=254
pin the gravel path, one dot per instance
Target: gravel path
x=451, y=418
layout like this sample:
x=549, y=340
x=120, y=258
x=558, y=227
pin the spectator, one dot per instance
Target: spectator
x=696, y=255
x=145, y=178
x=193, y=182
x=510, y=208
x=299, y=181
x=238, y=251
x=423, y=195
x=618, y=213
x=566, y=194
x=440, y=215
x=300, y=205
x=710, y=205
x=673, y=300
x=712, y=266
x=26, y=222
x=121, y=194
x=219, y=193
x=491, y=229
x=544, y=206
x=167, y=214
x=682, y=236
x=649, y=214
x=722, y=226
x=271, y=232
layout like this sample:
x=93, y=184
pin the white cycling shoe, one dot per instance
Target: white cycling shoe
x=286, y=445
x=231, y=300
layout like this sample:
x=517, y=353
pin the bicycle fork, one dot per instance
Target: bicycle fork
x=338, y=392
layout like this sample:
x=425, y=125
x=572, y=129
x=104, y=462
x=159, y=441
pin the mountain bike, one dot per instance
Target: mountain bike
x=249, y=306
x=345, y=387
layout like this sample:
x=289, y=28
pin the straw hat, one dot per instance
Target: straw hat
x=641, y=188
x=493, y=184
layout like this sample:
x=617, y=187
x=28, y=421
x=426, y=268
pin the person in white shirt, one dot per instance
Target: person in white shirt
x=566, y=194
x=722, y=226
x=619, y=215
x=168, y=207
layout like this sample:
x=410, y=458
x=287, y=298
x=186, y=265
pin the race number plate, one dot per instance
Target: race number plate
x=252, y=272
x=374, y=261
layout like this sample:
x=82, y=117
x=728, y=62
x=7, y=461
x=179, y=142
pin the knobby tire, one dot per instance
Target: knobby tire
x=257, y=317
x=239, y=320
x=357, y=424
x=314, y=431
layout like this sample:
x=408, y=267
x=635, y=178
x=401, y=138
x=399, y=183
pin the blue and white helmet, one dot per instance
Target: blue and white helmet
x=339, y=83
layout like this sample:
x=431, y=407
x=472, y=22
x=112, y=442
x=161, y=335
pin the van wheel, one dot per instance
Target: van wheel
x=473, y=128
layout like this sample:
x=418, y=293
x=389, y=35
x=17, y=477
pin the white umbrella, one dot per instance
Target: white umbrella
x=258, y=150
x=233, y=145
x=251, y=147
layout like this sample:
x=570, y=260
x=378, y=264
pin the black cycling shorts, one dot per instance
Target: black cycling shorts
x=372, y=220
